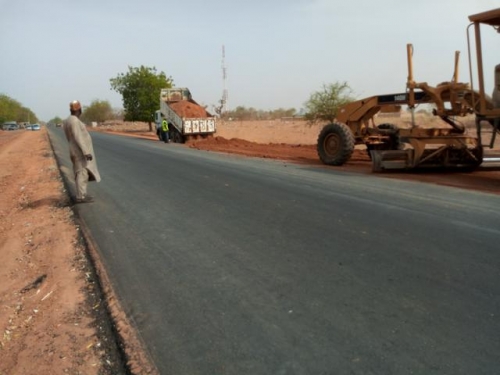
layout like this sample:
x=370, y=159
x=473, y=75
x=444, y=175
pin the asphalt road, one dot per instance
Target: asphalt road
x=230, y=265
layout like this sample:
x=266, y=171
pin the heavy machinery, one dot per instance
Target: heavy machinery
x=391, y=147
x=186, y=118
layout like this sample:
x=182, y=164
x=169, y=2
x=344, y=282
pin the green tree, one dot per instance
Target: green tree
x=98, y=111
x=8, y=108
x=12, y=110
x=56, y=120
x=323, y=105
x=140, y=89
x=26, y=115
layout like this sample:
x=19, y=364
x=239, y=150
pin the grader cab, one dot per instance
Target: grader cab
x=391, y=147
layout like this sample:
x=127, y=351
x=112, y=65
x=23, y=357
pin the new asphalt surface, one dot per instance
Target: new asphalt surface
x=231, y=265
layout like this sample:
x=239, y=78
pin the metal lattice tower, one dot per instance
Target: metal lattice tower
x=224, y=79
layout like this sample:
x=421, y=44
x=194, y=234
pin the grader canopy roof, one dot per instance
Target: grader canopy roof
x=491, y=17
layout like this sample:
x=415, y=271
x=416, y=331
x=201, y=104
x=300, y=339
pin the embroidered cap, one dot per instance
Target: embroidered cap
x=75, y=105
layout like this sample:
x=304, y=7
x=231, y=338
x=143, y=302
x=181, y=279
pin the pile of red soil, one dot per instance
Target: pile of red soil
x=299, y=153
x=185, y=108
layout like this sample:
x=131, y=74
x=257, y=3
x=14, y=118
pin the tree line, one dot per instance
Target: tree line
x=12, y=110
x=243, y=113
x=140, y=90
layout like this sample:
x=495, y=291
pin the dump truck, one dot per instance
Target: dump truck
x=450, y=145
x=186, y=118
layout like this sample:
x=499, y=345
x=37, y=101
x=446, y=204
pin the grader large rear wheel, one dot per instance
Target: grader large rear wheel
x=335, y=144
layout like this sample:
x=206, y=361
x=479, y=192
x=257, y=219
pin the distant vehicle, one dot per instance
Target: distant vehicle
x=35, y=127
x=10, y=125
x=58, y=125
x=28, y=127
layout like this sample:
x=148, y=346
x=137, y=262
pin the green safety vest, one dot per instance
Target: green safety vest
x=164, y=126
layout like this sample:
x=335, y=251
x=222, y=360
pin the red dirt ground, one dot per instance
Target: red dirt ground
x=484, y=179
x=48, y=324
x=52, y=312
x=295, y=141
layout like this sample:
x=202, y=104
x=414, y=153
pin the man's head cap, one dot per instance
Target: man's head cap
x=75, y=105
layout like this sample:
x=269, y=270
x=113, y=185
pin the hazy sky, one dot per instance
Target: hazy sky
x=278, y=52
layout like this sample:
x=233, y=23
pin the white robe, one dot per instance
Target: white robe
x=80, y=144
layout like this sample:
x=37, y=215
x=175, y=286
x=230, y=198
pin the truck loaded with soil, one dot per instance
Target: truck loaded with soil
x=186, y=118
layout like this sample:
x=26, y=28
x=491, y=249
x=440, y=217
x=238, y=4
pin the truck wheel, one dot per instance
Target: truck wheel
x=178, y=138
x=335, y=144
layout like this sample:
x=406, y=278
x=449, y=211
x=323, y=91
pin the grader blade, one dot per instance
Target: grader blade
x=390, y=159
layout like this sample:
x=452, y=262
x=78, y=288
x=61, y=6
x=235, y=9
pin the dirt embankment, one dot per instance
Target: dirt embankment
x=52, y=316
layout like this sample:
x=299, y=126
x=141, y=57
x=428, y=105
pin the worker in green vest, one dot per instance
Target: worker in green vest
x=164, y=131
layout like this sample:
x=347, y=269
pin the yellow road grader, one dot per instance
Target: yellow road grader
x=391, y=147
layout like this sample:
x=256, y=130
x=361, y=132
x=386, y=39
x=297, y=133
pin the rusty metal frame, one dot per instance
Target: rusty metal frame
x=491, y=18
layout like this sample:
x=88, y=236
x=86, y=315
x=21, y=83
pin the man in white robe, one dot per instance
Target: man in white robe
x=81, y=152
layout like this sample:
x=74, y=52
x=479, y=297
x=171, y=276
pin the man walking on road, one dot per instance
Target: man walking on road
x=81, y=152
